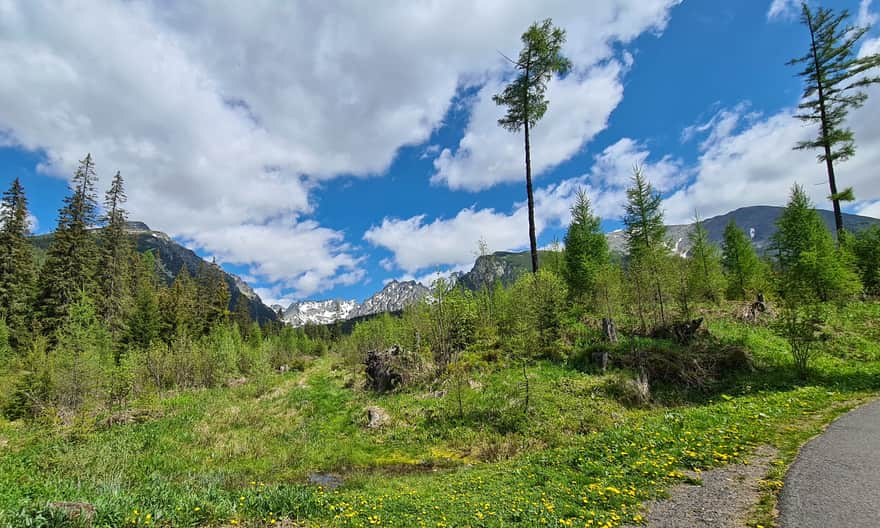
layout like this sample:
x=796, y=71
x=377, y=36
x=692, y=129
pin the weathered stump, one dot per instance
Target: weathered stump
x=609, y=330
x=383, y=370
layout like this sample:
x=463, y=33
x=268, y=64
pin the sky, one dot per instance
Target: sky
x=321, y=149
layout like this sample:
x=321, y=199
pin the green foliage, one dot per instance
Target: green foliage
x=70, y=262
x=453, y=317
x=213, y=294
x=865, y=248
x=802, y=326
x=179, y=306
x=743, y=269
x=17, y=273
x=704, y=275
x=535, y=308
x=539, y=60
x=586, y=249
x=116, y=252
x=243, y=454
x=145, y=321
x=649, y=270
x=643, y=218
x=82, y=347
x=811, y=266
x=833, y=71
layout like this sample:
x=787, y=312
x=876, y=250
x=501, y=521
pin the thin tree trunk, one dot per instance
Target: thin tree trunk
x=531, y=202
x=829, y=164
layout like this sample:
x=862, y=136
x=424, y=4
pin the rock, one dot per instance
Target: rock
x=376, y=417
x=328, y=481
x=82, y=512
x=237, y=382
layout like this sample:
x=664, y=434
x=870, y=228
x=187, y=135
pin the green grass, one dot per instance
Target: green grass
x=579, y=458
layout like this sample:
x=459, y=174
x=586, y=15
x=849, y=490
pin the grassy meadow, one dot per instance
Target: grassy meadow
x=294, y=449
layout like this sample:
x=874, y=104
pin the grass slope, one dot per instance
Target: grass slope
x=243, y=456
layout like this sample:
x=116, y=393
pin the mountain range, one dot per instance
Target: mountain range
x=172, y=257
x=395, y=296
x=759, y=222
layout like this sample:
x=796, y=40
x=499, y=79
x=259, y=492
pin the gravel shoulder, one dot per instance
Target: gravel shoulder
x=724, y=500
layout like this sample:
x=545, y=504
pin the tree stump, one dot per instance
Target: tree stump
x=609, y=329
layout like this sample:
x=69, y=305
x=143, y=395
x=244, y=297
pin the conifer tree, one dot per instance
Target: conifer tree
x=179, y=307
x=645, y=236
x=833, y=71
x=17, y=273
x=83, y=346
x=115, y=260
x=145, y=321
x=740, y=263
x=70, y=264
x=213, y=296
x=539, y=60
x=810, y=264
x=586, y=249
x=705, y=279
x=242, y=314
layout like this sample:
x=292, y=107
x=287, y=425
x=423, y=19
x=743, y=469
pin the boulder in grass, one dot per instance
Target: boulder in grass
x=376, y=417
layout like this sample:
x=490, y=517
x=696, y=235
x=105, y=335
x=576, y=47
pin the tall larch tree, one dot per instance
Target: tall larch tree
x=833, y=72
x=741, y=265
x=525, y=97
x=17, y=272
x=645, y=240
x=116, y=251
x=586, y=249
x=70, y=264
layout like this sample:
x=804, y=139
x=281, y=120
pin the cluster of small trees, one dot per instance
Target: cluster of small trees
x=98, y=322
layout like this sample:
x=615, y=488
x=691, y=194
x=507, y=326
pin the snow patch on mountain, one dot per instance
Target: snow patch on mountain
x=395, y=296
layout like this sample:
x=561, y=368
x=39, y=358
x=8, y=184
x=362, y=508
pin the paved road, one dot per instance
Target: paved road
x=835, y=480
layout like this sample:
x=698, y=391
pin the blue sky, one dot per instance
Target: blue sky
x=320, y=151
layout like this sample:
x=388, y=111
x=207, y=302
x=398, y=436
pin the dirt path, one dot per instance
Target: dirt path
x=725, y=499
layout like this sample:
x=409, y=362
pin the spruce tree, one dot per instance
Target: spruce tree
x=740, y=262
x=539, y=60
x=145, y=320
x=70, y=264
x=704, y=276
x=586, y=249
x=242, y=314
x=811, y=266
x=645, y=236
x=180, y=311
x=115, y=260
x=833, y=71
x=213, y=296
x=17, y=272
